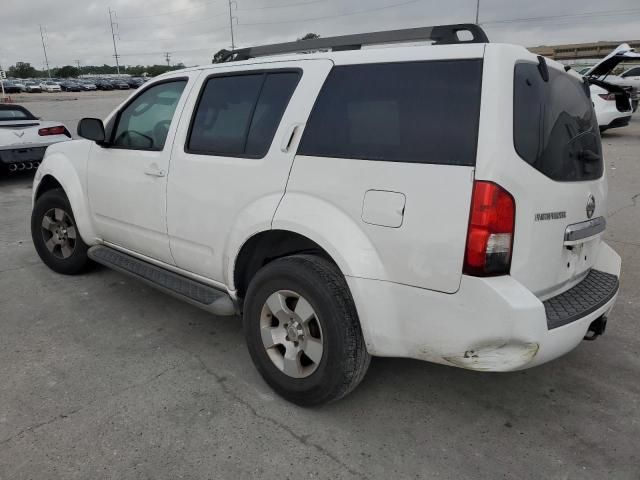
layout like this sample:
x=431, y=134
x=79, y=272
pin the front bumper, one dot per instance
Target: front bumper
x=490, y=324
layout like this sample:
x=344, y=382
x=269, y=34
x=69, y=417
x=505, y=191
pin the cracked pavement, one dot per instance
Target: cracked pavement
x=103, y=377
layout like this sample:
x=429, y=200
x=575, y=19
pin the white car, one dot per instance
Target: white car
x=32, y=87
x=441, y=202
x=24, y=138
x=611, y=97
x=50, y=87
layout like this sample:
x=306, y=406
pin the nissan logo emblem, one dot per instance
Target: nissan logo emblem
x=591, y=206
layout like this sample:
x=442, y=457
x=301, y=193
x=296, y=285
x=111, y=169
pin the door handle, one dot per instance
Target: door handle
x=153, y=171
x=287, y=140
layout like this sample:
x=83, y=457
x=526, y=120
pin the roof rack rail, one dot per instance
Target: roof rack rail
x=440, y=35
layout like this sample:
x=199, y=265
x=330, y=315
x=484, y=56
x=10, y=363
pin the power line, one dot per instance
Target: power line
x=286, y=5
x=567, y=16
x=113, y=36
x=327, y=17
x=197, y=7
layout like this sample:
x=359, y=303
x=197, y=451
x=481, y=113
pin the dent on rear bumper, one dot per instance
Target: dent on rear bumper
x=491, y=324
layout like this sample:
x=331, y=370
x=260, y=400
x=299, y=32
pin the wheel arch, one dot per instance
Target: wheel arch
x=57, y=171
x=266, y=246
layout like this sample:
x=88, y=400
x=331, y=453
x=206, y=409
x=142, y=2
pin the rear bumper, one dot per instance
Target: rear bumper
x=619, y=122
x=490, y=324
x=27, y=153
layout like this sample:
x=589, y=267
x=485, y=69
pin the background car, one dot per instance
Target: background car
x=134, y=82
x=10, y=87
x=24, y=137
x=120, y=84
x=50, y=87
x=88, y=85
x=612, y=102
x=69, y=86
x=103, y=85
x=32, y=87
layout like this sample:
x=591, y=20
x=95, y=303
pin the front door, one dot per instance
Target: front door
x=127, y=178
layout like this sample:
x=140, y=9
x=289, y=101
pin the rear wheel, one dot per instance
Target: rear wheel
x=55, y=234
x=303, y=332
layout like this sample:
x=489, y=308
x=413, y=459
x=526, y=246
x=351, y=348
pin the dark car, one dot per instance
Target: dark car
x=69, y=86
x=135, y=82
x=103, y=85
x=120, y=85
x=10, y=87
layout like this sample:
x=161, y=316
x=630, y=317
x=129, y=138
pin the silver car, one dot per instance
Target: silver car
x=24, y=138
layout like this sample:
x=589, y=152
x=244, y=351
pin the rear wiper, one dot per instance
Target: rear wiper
x=588, y=156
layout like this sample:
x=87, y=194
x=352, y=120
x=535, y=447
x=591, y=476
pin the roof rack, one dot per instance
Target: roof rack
x=440, y=35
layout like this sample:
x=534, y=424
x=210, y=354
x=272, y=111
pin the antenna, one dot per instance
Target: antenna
x=112, y=14
x=44, y=47
x=477, y=12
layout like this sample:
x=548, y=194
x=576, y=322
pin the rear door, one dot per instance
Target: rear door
x=232, y=158
x=544, y=148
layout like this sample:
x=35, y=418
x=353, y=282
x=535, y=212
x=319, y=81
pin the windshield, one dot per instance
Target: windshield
x=554, y=125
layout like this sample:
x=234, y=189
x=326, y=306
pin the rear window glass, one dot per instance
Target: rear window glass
x=238, y=115
x=554, y=125
x=15, y=113
x=418, y=112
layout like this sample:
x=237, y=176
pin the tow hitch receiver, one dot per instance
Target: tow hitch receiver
x=596, y=328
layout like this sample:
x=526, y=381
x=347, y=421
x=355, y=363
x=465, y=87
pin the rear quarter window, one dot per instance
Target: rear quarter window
x=418, y=112
x=554, y=125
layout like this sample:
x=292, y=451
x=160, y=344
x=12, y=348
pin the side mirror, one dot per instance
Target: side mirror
x=92, y=129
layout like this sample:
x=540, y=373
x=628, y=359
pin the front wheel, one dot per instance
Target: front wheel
x=303, y=332
x=55, y=234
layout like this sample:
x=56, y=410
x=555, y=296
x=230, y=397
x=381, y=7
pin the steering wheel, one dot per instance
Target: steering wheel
x=160, y=132
x=126, y=140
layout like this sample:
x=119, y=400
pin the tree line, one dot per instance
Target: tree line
x=26, y=70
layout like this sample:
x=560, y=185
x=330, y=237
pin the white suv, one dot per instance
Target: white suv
x=441, y=202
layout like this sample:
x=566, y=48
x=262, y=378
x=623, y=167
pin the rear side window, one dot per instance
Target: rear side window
x=418, y=112
x=554, y=125
x=239, y=115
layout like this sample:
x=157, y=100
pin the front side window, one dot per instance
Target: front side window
x=238, y=115
x=144, y=123
x=555, y=128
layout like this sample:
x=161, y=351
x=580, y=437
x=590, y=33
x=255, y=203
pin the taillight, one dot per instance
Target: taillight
x=58, y=130
x=611, y=97
x=491, y=228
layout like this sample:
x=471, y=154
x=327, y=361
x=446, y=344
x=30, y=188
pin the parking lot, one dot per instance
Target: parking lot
x=104, y=377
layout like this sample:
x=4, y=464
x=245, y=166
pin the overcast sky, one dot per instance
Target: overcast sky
x=194, y=29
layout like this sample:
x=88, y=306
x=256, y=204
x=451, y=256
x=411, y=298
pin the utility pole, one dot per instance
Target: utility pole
x=231, y=17
x=44, y=47
x=113, y=36
x=78, y=64
x=477, y=12
x=167, y=56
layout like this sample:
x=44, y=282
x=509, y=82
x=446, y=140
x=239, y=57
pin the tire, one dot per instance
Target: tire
x=311, y=288
x=68, y=258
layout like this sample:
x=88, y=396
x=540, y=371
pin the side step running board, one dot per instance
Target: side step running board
x=204, y=296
